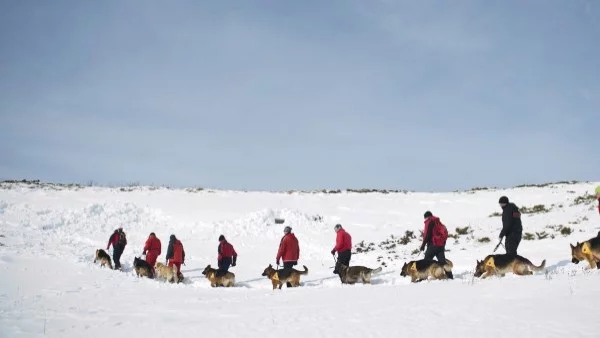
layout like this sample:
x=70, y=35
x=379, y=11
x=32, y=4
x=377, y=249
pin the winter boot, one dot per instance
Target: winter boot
x=449, y=275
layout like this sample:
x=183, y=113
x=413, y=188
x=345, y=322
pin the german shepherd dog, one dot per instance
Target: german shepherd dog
x=166, y=272
x=226, y=280
x=142, y=268
x=279, y=277
x=501, y=264
x=103, y=257
x=353, y=274
x=589, y=251
x=423, y=269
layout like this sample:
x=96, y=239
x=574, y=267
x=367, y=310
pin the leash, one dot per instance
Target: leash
x=497, y=245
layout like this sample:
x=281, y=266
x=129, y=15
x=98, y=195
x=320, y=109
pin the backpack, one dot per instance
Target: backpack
x=122, y=239
x=440, y=233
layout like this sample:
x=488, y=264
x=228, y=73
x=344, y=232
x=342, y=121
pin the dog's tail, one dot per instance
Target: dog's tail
x=448, y=266
x=374, y=271
x=537, y=268
x=305, y=272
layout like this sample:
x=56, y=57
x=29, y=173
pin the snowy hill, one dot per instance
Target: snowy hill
x=50, y=287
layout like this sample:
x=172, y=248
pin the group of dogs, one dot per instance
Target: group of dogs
x=417, y=270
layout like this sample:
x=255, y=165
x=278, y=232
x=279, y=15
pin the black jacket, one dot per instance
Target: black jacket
x=511, y=220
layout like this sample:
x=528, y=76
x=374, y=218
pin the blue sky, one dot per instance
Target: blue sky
x=272, y=95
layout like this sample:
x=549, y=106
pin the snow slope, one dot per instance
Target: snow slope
x=50, y=287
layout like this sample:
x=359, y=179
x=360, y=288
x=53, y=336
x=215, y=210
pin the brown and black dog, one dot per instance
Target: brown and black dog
x=226, y=280
x=353, y=274
x=588, y=251
x=423, y=269
x=501, y=264
x=279, y=277
x=103, y=257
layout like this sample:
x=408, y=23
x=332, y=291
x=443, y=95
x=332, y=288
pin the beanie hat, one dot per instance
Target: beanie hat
x=427, y=214
x=221, y=238
x=287, y=230
x=503, y=200
x=172, y=237
x=598, y=190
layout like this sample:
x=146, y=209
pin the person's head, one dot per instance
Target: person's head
x=337, y=227
x=503, y=201
x=152, y=234
x=287, y=230
x=172, y=238
x=427, y=214
x=121, y=229
x=598, y=191
x=221, y=238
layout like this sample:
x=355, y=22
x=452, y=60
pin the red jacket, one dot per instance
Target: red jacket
x=225, y=250
x=178, y=253
x=153, y=245
x=343, y=241
x=599, y=205
x=289, y=250
x=113, y=240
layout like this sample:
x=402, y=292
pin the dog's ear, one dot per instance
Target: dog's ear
x=270, y=265
x=571, y=245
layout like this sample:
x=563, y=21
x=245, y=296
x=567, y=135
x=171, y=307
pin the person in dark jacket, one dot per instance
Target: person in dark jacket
x=226, y=256
x=436, y=244
x=289, y=251
x=175, y=254
x=512, y=228
x=343, y=246
x=118, y=242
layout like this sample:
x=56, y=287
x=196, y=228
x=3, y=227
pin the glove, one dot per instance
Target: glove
x=422, y=248
x=277, y=263
x=333, y=252
x=234, y=260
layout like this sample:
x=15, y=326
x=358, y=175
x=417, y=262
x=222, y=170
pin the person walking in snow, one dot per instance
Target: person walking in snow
x=118, y=241
x=175, y=254
x=289, y=251
x=343, y=247
x=152, y=249
x=435, y=235
x=512, y=228
x=226, y=256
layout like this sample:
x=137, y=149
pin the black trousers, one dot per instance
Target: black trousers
x=117, y=252
x=224, y=265
x=437, y=252
x=287, y=269
x=512, y=243
x=343, y=258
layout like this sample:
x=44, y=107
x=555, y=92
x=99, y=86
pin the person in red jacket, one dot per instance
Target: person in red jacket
x=435, y=236
x=118, y=240
x=343, y=246
x=289, y=251
x=152, y=249
x=226, y=256
x=175, y=254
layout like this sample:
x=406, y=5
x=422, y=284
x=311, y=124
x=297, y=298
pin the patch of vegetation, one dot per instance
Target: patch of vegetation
x=408, y=236
x=464, y=231
x=496, y=214
x=362, y=247
x=415, y=251
x=543, y=185
x=584, y=199
x=536, y=209
x=528, y=236
x=541, y=235
x=317, y=218
x=455, y=236
x=484, y=240
x=563, y=230
x=566, y=231
x=193, y=190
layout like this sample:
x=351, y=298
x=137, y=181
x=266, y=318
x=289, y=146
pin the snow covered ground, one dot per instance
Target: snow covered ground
x=50, y=287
